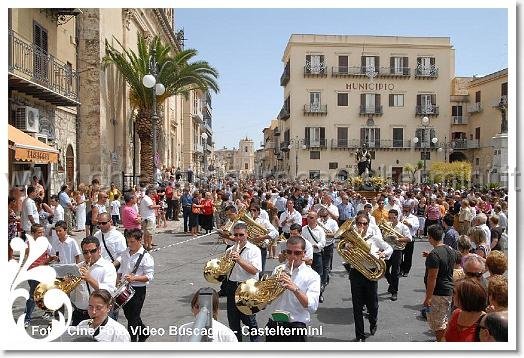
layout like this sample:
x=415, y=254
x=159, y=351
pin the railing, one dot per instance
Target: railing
x=284, y=113
x=315, y=70
x=345, y=143
x=30, y=62
x=426, y=71
x=459, y=120
x=426, y=144
x=377, y=144
x=319, y=143
x=465, y=143
x=364, y=109
x=284, y=79
x=394, y=71
x=427, y=110
x=474, y=108
x=284, y=145
x=395, y=143
x=315, y=109
x=501, y=101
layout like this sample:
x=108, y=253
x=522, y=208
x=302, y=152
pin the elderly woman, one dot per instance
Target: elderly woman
x=497, y=263
x=465, y=217
x=497, y=293
x=478, y=237
x=471, y=299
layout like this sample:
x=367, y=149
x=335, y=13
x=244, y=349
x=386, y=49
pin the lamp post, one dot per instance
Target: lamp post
x=446, y=146
x=150, y=81
x=204, y=137
x=425, y=145
x=295, y=143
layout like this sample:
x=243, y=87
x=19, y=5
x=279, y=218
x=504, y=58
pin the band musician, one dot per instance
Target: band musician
x=363, y=290
x=289, y=217
x=295, y=230
x=300, y=299
x=330, y=227
x=272, y=234
x=112, y=241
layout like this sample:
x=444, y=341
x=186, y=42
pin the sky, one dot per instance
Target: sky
x=246, y=47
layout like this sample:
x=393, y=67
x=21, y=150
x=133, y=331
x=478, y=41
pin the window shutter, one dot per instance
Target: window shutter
x=377, y=101
x=391, y=100
x=306, y=134
x=431, y=136
x=363, y=64
x=362, y=135
x=322, y=136
x=432, y=61
x=308, y=58
x=392, y=65
x=418, y=134
x=377, y=63
x=419, y=100
x=433, y=99
x=321, y=59
x=377, y=137
x=419, y=61
x=362, y=99
x=37, y=36
x=405, y=65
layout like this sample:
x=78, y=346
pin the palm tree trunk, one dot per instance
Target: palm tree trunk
x=144, y=131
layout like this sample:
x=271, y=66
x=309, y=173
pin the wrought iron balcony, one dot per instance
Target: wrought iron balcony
x=426, y=144
x=284, y=146
x=319, y=70
x=394, y=71
x=198, y=148
x=426, y=110
x=344, y=144
x=459, y=120
x=465, y=143
x=284, y=114
x=312, y=144
x=370, y=110
x=39, y=74
x=474, y=108
x=395, y=144
x=315, y=109
x=284, y=79
x=426, y=71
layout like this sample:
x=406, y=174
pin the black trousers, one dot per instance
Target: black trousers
x=170, y=207
x=317, y=263
x=363, y=292
x=295, y=336
x=407, y=256
x=78, y=316
x=176, y=208
x=393, y=270
x=234, y=316
x=187, y=213
x=327, y=258
x=132, y=311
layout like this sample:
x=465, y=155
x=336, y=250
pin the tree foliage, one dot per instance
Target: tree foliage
x=455, y=173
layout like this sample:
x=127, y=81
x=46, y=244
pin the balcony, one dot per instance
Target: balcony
x=394, y=72
x=465, y=143
x=315, y=109
x=345, y=144
x=370, y=110
x=198, y=148
x=284, y=79
x=428, y=110
x=395, y=144
x=315, y=144
x=502, y=101
x=284, y=146
x=39, y=74
x=276, y=132
x=429, y=72
x=426, y=144
x=459, y=120
x=474, y=108
x=315, y=70
x=283, y=114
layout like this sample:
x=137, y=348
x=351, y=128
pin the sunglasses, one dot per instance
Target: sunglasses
x=85, y=252
x=102, y=222
x=294, y=252
x=311, y=217
x=473, y=274
x=358, y=223
x=236, y=235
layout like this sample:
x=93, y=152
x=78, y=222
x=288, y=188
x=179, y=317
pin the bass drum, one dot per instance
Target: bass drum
x=122, y=295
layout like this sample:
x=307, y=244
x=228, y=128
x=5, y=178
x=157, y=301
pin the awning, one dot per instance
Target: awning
x=30, y=149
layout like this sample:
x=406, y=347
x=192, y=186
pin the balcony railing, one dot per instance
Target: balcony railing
x=427, y=110
x=315, y=109
x=312, y=144
x=465, y=143
x=366, y=110
x=284, y=79
x=345, y=143
x=31, y=63
x=284, y=146
x=474, y=108
x=284, y=113
x=459, y=120
x=427, y=144
x=379, y=144
x=315, y=70
x=426, y=71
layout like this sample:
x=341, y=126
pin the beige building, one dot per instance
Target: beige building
x=344, y=92
x=239, y=163
x=225, y=162
x=267, y=164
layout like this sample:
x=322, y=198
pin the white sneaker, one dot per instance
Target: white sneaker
x=26, y=324
x=46, y=315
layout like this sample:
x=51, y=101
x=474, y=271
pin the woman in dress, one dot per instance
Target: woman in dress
x=80, y=210
x=207, y=213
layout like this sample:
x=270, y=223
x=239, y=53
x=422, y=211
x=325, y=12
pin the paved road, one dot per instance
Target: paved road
x=179, y=260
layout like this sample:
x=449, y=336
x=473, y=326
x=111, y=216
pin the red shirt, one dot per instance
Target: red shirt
x=454, y=333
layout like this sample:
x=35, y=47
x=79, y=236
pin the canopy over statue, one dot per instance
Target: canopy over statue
x=363, y=161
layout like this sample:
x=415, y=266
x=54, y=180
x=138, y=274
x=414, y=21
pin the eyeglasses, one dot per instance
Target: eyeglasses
x=102, y=222
x=236, y=235
x=294, y=252
x=358, y=223
x=311, y=217
x=85, y=252
x=473, y=274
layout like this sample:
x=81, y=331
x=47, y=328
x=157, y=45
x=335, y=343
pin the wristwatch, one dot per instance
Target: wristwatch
x=296, y=290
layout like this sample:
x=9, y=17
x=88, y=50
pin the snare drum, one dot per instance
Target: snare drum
x=122, y=295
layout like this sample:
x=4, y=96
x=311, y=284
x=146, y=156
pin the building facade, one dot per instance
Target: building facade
x=267, y=164
x=239, y=163
x=342, y=93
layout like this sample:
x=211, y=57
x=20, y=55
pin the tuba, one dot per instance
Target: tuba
x=216, y=270
x=253, y=228
x=391, y=235
x=253, y=296
x=359, y=256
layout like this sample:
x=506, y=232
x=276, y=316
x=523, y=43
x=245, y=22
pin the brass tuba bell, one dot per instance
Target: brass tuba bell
x=216, y=270
x=391, y=235
x=359, y=255
x=66, y=284
x=253, y=228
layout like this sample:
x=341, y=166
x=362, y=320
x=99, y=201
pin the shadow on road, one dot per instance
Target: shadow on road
x=335, y=315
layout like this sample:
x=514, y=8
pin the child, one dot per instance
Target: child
x=115, y=209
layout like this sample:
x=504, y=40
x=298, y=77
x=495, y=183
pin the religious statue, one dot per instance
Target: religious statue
x=363, y=161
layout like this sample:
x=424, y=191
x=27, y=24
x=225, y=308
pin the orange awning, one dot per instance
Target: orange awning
x=30, y=149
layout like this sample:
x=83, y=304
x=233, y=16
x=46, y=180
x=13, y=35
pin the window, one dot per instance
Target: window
x=245, y=149
x=399, y=65
x=370, y=137
x=369, y=63
x=477, y=133
x=477, y=97
x=426, y=104
x=246, y=166
x=40, y=60
x=477, y=161
x=424, y=136
x=343, y=64
x=370, y=103
x=314, y=174
x=314, y=154
x=314, y=101
x=396, y=100
x=315, y=136
x=315, y=64
x=398, y=137
x=425, y=155
x=342, y=137
x=504, y=89
x=333, y=165
x=426, y=66
x=456, y=111
x=342, y=99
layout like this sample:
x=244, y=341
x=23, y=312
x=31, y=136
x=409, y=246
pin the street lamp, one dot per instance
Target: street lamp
x=425, y=145
x=204, y=140
x=296, y=144
x=150, y=81
x=446, y=146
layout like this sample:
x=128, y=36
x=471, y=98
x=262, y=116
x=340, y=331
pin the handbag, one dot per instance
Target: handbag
x=195, y=210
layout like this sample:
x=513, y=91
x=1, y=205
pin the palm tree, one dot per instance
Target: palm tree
x=176, y=72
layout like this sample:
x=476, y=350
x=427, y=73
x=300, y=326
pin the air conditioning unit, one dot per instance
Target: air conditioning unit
x=27, y=119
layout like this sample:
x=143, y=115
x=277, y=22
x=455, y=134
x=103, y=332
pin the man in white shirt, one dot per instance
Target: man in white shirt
x=96, y=272
x=300, y=298
x=363, y=290
x=317, y=237
x=137, y=268
x=398, y=244
x=29, y=214
x=248, y=265
x=263, y=241
x=296, y=231
x=327, y=202
x=58, y=213
x=112, y=242
x=411, y=221
x=147, y=212
x=289, y=217
x=330, y=227
x=64, y=246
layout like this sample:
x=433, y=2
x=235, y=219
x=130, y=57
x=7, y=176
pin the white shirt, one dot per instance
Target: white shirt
x=115, y=207
x=144, y=210
x=67, y=250
x=308, y=282
x=273, y=233
x=332, y=226
x=263, y=214
x=404, y=231
x=112, y=331
x=58, y=213
x=332, y=209
x=221, y=333
x=104, y=273
x=487, y=234
x=413, y=221
x=374, y=238
x=146, y=267
x=503, y=221
x=319, y=240
x=280, y=203
x=251, y=254
x=115, y=242
x=29, y=208
x=295, y=218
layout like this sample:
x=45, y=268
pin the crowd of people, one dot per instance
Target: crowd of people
x=465, y=279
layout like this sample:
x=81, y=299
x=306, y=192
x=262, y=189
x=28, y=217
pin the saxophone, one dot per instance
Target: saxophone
x=359, y=255
x=253, y=296
x=391, y=235
x=216, y=270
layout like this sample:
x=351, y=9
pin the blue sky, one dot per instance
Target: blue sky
x=246, y=47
